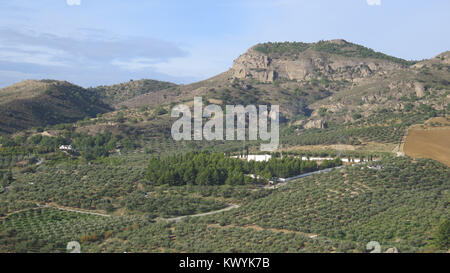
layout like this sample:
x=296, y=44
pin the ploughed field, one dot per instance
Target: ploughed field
x=429, y=142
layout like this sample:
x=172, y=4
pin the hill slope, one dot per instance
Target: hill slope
x=323, y=84
x=47, y=102
x=297, y=75
x=114, y=94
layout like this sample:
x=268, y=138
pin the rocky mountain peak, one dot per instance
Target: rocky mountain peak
x=339, y=42
x=334, y=60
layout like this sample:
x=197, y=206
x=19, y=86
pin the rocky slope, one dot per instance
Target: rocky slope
x=424, y=83
x=314, y=83
x=299, y=65
x=319, y=82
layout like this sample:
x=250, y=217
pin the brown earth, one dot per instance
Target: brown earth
x=431, y=143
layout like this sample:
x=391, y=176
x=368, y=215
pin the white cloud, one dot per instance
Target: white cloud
x=134, y=64
x=73, y=2
x=129, y=52
x=373, y=2
x=30, y=54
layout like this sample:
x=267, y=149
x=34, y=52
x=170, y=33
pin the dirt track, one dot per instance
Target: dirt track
x=179, y=218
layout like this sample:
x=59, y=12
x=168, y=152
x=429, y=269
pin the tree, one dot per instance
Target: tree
x=322, y=111
x=442, y=237
x=7, y=178
x=159, y=111
x=203, y=178
x=120, y=117
x=189, y=174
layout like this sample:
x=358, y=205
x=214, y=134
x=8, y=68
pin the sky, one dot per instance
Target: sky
x=102, y=42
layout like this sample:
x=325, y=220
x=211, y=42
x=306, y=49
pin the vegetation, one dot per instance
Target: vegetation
x=115, y=94
x=166, y=205
x=282, y=48
x=125, y=181
x=344, y=48
x=195, y=237
x=216, y=169
x=443, y=235
x=46, y=103
x=397, y=206
x=49, y=230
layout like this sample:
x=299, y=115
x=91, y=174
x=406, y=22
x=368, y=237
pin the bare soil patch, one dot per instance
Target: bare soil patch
x=431, y=143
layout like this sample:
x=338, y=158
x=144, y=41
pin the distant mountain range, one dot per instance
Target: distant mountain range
x=314, y=84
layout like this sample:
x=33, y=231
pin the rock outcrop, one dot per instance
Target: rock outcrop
x=319, y=124
x=307, y=65
x=420, y=89
x=392, y=250
x=255, y=65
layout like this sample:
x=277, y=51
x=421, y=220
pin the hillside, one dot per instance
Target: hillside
x=399, y=205
x=114, y=94
x=46, y=102
x=302, y=78
x=355, y=100
x=330, y=93
x=127, y=186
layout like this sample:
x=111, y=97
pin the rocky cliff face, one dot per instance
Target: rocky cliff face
x=254, y=65
x=307, y=65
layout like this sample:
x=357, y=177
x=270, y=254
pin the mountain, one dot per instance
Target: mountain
x=48, y=102
x=330, y=93
x=305, y=77
x=346, y=93
x=336, y=59
x=114, y=94
x=337, y=99
x=39, y=103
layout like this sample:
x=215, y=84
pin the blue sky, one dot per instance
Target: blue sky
x=93, y=42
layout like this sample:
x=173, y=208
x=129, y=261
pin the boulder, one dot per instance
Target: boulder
x=420, y=89
x=319, y=124
x=392, y=250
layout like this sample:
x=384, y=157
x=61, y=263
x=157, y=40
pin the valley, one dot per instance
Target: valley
x=366, y=134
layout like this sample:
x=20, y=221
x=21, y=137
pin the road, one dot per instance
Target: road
x=75, y=210
x=285, y=181
x=179, y=218
x=55, y=207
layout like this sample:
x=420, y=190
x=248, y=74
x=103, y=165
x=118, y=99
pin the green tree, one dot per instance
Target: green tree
x=442, y=237
x=322, y=111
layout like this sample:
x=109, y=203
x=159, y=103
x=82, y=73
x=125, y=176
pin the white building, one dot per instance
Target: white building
x=255, y=176
x=259, y=158
x=316, y=158
x=66, y=147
